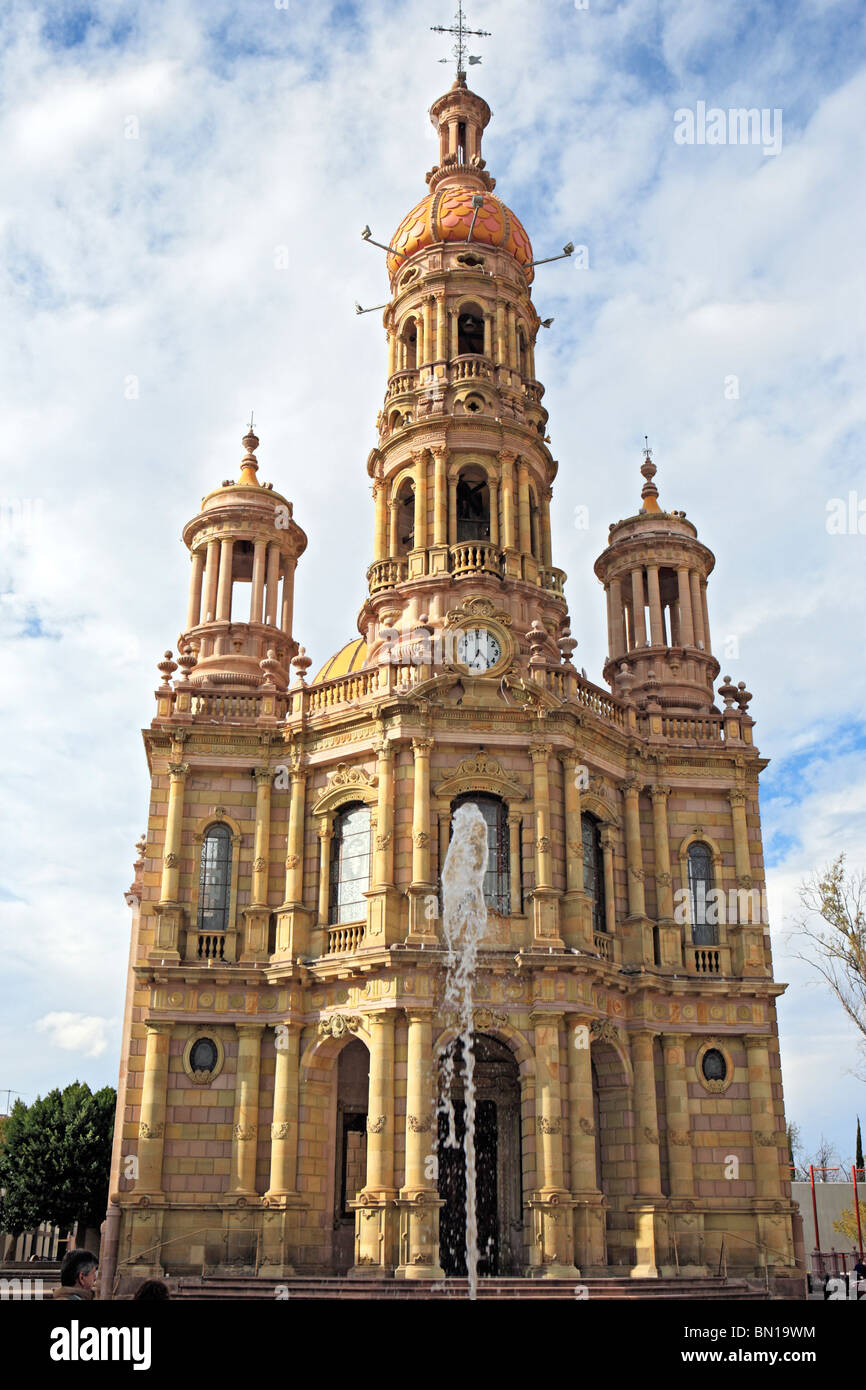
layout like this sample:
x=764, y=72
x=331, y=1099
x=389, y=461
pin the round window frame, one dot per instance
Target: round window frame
x=714, y=1045
x=203, y=1078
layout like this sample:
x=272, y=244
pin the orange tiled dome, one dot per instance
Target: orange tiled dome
x=446, y=214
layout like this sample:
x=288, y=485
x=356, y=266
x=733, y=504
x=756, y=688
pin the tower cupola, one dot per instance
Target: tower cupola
x=244, y=545
x=655, y=573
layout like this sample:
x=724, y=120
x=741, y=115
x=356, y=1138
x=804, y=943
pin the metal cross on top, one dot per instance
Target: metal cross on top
x=461, y=32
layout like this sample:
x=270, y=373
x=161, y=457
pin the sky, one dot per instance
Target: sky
x=181, y=197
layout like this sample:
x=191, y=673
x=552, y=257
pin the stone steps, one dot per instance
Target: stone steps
x=312, y=1287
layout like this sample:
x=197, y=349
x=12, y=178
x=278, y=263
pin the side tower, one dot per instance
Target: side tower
x=285, y=1023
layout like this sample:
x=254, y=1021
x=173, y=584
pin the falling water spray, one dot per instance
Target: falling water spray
x=464, y=918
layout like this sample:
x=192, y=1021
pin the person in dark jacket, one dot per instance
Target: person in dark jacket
x=152, y=1290
x=77, y=1276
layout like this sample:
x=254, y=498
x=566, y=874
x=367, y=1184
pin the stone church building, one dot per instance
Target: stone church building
x=278, y=1109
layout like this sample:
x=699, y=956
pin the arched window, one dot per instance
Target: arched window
x=473, y=506
x=405, y=504
x=713, y=1065
x=470, y=332
x=593, y=868
x=700, y=883
x=409, y=350
x=497, y=880
x=215, y=879
x=350, y=864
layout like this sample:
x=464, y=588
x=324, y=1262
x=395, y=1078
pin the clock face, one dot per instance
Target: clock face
x=477, y=648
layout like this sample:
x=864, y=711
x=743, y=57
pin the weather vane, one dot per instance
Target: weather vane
x=647, y=451
x=459, y=49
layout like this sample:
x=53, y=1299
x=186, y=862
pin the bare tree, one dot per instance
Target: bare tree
x=825, y=1157
x=833, y=930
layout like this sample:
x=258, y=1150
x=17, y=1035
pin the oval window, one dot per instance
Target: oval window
x=204, y=1055
x=714, y=1066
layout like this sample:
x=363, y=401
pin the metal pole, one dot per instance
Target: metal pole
x=857, y=1209
x=814, y=1209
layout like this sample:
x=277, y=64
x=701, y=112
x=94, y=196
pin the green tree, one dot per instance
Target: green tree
x=833, y=930
x=54, y=1165
x=858, y=1160
x=847, y=1223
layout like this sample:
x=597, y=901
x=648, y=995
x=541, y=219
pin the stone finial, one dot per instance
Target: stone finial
x=649, y=492
x=624, y=682
x=186, y=661
x=743, y=696
x=301, y=665
x=567, y=644
x=728, y=692
x=249, y=463
x=166, y=668
x=270, y=665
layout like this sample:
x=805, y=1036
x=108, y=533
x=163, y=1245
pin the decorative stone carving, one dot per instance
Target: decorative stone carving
x=171, y=859
x=651, y=1135
x=376, y=1126
x=585, y=1126
x=546, y=1126
x=679, y=1136
x=420, y=838
x=419, y=1126
x=146, y=1131
x=292, y=861
x=348, y=776
x=259, y=864
x=766, y=1141
x=338, y=1025
x=602, y=1030
x=422, y=1259
x=383, y=841
x=281, y=1130
x=486, y=1018
x=543, y=845
x=178, y=769
x=244, y=1133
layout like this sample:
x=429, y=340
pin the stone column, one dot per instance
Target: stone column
x=440, y=497
x=419, y=458
x=272, y=583
x=742, y=858
x=577, y=914
x=224, y=590
x=515, y=821
x=178, y=773
x=246, y=1118
x=670, y=934
x=295, y=854
x=392, y=354
x=524, y=529
x=706, y=615
x=325, y=832
x=441, y=321
x=193, y=612
x=687, y=1223
x=452, y=511
x=421, y=887
x=257, y=588
x=546, y=544
x=288, y=593
x=151, y=1125
x=383, y=899
x=261, y=850
x=284, y=1129
x=649, y=1222
x=511, y=329
x=769, y=1153
x=687, y=630
x=553, y=1245
x=427, y=312
x=657, y=631
x=494, y=512
x=501, y=349
x=617, y=632
x=211, y=575
x=488, y=336
x=452, y=334
x=634, y=852
x=374, y=1227
x=380, y=532
x=419, y=1198
x=637, y=607
x=393, y=543
x=506, y=460
x=545, y=898
x=697, y=611
x=607, y=846
x=444, y=837
x=589, y=1218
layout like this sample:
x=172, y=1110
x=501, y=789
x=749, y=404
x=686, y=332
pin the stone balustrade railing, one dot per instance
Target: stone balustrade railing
x=343, y=939
x=473, y=556
x=551, y=578
x=386, y=574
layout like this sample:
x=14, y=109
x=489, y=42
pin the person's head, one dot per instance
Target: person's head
x=78, y=1269
x=152, y=1289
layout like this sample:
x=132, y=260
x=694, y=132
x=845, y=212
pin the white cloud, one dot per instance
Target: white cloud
x=76, y=1033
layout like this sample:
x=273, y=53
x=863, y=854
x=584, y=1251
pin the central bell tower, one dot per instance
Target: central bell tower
x=462, y=475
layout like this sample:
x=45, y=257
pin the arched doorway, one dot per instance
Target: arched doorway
x=497, y=1164
x=350, y=1168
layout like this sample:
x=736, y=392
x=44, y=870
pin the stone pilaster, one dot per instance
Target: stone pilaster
x=576, y=904
x=552, y=1250
x=246, y=1115
x=687, y=1222
x=589, y=1210
x=283, y=1200
x=422, y=891
x=383, y=900
x=650, y=1218
x=151, y=1125
x=545, y=898
x=375, y=1232
x=419, y=1202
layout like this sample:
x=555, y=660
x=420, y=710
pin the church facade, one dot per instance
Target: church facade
x=278, y=1108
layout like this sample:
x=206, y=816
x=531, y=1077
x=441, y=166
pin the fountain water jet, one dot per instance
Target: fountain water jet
x=464, y=918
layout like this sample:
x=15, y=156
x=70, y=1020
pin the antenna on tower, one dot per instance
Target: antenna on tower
x=459, y=50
